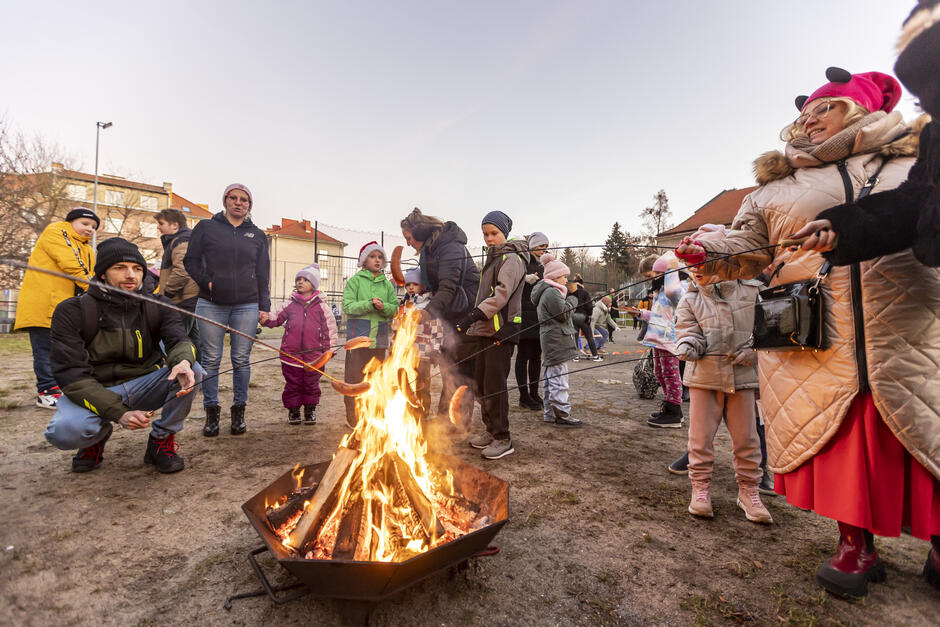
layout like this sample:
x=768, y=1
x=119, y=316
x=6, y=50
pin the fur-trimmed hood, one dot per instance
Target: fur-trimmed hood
x=774, y=165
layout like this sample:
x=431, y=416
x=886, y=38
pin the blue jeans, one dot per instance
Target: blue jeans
x=244, y=318
x=41, y=343
x=74, y=426
x=601, y=335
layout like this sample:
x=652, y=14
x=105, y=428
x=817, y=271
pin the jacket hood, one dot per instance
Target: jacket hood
x=538, y=288
x=168, y=238
x=450, y=232
x=519, y=246
x=774, y=165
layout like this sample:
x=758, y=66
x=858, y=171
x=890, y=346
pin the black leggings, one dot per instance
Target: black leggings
x=583, y=324
x=529, y=362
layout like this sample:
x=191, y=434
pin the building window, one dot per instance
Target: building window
x=148, y=202
x=113, y=224
x=324, y=274
x=76, y=192
x=149, y=229
x=114, y=198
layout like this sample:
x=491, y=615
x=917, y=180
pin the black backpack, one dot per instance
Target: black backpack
x=91, y=323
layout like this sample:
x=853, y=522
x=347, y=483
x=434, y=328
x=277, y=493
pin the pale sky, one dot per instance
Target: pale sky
x=566, y=115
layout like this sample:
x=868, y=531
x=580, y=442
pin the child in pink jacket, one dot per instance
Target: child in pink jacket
x=309, y=330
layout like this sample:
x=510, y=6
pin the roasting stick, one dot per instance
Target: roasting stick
x=782, y=243
x=346, y=389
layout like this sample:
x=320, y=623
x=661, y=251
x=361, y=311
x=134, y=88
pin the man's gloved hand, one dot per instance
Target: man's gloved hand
x=685, y=352
x=743, y=357
x=531, y=279
x=464, y=323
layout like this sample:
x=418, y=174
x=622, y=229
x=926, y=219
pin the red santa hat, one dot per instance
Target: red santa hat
x=369, y=248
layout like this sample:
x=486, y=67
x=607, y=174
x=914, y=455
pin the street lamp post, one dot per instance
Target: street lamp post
x=99, y=126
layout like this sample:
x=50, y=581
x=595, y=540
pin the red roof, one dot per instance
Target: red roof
x=187, y=206
x=719, y=210
x=302, y=229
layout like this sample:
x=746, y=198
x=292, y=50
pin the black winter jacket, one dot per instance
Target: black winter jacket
x=234, y=259
x=530, y=313
x=452, y=276
x=123, y=347
x=889, y=222
x=585, y=304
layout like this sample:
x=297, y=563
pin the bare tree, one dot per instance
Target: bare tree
x=656, y=218
x=31, y=195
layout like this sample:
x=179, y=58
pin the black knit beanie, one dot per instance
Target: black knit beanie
x=83, y=212
x=115, y=250
x=918, y=64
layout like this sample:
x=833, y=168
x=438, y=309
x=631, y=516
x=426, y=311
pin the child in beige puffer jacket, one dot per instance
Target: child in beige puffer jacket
x=713, y=329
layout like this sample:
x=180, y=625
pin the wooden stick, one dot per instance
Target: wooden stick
x=347, y=536
x=419, y=501
x=309, y=523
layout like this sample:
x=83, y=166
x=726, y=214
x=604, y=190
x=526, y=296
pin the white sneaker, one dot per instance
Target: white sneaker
x=597, y=358
x=47, y=399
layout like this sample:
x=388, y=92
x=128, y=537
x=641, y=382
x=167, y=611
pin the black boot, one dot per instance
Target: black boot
x=662, y=410
x=89, y=458
x=932, y=567
x=212, y=421
x=671, y=417
x=537, y=402
x=310, y=414
x=680, y=466
x=525, y=402
x=162, y=454
x=293, y=415
x=238, y=420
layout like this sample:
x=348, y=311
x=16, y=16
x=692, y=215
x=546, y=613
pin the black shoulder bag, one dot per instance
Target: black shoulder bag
x=792, y=316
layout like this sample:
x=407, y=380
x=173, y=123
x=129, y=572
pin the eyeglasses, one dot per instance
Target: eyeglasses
x=819, y=113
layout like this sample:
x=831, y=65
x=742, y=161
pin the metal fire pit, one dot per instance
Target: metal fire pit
x=372, y=581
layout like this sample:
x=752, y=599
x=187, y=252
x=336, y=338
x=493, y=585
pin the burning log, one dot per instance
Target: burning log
x=350, y=527
x=419, y=501
x=309, y=523
x=350, y=389
x=407, y=390
x=279, y=515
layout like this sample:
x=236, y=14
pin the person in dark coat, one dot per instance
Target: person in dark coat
x=529, y=357
x=448, y=271
x=108, y=360
x=582, y=315
x=909, y=215
x=228, y=259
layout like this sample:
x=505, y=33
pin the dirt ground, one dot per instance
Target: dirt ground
x=599, y=532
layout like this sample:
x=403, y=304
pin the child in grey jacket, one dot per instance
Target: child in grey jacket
x=555, y=307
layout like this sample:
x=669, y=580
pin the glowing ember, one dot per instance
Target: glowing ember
x=381, y=500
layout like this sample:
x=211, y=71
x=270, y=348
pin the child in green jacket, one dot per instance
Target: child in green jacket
x=370, y=302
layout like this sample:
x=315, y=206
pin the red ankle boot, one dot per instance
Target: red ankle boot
x=847, y=573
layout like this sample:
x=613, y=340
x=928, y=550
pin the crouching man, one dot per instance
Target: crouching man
x=107, y=359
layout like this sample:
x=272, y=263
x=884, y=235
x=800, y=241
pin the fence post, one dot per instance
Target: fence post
x=316, y=241
x=383, y=239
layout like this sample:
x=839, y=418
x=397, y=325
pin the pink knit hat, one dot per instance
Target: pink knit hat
x=554, y=269
x=311, y=273
x=367, y=249
x=662, y=264
x=873, y=90
x=237, y=186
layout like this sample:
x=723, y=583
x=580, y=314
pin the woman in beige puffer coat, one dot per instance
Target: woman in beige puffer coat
x=853, y=431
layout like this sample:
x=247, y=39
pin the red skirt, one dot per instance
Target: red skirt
x=865, y=477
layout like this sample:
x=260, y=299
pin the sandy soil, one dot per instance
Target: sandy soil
x=598, y=534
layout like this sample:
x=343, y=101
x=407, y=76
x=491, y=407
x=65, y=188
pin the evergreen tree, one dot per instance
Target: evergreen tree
x=570, y=259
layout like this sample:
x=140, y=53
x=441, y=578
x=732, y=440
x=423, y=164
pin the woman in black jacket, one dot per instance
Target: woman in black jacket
x=908, y=216
x=529, y=358
x=448, y=271
x=228, y=259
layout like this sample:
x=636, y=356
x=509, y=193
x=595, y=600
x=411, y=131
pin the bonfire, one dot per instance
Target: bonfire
x=381, y=498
